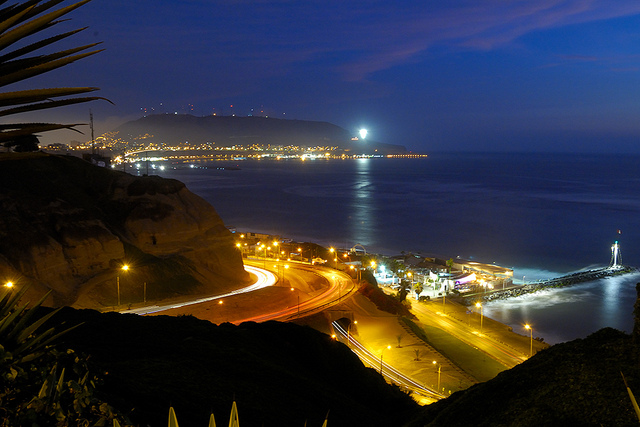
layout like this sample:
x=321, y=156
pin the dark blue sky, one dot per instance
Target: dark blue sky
x=523, y=75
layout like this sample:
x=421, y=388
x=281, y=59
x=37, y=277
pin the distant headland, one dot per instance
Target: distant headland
x=243, y=134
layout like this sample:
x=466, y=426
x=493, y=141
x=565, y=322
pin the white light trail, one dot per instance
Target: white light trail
x=264, y=278
x=389, y=371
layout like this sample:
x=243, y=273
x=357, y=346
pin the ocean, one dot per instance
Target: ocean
x=543, y=215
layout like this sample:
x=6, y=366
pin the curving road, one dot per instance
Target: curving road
x=264, y=278
x=339, y=285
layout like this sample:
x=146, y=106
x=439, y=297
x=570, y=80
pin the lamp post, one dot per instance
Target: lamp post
x=381, y=353
x=527, y=326
x=444, y=298
x=439, y=367
x=481, y=315
x=355, y=322
x=335, y=257
x=9, y=284
x=123, y=268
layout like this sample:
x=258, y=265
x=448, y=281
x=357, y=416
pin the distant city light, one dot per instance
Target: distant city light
x=363, y=133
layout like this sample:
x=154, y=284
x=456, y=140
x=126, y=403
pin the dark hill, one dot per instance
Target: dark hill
x=279, y=374
x=284, y=374
x=577, y=383
x=226, y=131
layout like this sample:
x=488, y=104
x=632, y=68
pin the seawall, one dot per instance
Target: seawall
x=558, y=282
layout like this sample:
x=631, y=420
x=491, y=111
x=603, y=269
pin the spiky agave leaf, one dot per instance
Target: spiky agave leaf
x=19, y=61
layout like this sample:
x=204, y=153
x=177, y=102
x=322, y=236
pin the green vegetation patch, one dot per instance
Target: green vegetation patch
x=474, y=362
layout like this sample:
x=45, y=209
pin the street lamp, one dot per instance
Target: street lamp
x=481, y=315
x=123, y=268
x=355, y=322
x=381, y=352
x=531, y=334
x=439, y=367
x=284, y=268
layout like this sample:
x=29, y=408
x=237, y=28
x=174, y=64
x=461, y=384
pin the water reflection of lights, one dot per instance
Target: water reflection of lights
x=264, y=278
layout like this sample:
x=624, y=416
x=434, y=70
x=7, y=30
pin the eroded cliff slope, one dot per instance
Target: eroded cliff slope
x=68, y=226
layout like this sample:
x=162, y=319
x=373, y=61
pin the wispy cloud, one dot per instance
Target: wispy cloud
x=481, y=25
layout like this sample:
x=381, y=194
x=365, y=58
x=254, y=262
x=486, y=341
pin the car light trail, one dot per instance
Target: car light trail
x=395, y=376
x=264, y=278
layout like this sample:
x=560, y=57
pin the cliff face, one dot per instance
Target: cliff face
x=68, y=226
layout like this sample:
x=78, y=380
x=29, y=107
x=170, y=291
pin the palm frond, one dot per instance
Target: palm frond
x=15, y=131
x=19, y=61
x=51, y=104
x=43, y=68
x=36, y=24
x=37, y=45
x=34, y=61
x=37, y=95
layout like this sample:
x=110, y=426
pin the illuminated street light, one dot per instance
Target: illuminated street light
x=363, y=133
x=481, y=315
x=123, y=268
x=9, y=284
x=531, y=332
x=381, y=352
x=355, y=322
x=439, y=366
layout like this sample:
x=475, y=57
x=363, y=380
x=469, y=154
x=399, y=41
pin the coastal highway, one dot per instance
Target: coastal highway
x=389, y=372
x=469, y=335
x=322, y=287
x=337, y=287
x=264, y=278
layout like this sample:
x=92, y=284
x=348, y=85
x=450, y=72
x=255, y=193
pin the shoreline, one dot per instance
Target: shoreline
x=557, y=282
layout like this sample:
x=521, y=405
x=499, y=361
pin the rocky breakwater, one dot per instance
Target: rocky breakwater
x=558, y=282
x=68, y=226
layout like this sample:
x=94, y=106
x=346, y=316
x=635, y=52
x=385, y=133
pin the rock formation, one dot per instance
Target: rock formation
x=68, y=226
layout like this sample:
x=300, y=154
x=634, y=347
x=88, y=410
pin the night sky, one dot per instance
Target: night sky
x=522, y=75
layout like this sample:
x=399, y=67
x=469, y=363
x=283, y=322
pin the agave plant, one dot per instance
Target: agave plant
x=21, y=58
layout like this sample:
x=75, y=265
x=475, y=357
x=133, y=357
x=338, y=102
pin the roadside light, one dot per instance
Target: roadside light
x=9, y=284
x=125, y=267
x=220, y=302
x=527, y=326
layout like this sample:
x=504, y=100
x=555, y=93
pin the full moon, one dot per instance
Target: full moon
x=363, y=133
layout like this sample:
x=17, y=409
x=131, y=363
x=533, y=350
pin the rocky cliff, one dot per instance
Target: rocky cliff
x=69, y=226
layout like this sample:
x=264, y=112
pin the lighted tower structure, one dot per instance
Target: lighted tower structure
x=616, y=257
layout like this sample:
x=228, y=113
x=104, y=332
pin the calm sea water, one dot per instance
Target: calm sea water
x=542, y=215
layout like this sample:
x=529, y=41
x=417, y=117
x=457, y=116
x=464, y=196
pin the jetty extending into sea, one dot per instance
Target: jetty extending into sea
x=558, y=282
